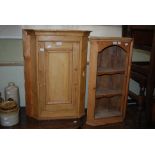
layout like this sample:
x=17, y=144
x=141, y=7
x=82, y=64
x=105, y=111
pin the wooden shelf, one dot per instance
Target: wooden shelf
x=107, y=93
x=102, y=71
x=103, y=113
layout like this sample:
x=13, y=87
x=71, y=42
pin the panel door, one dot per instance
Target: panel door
x=58, y=78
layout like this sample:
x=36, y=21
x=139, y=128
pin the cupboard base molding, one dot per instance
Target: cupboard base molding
x=105, y=121
x=57, y=117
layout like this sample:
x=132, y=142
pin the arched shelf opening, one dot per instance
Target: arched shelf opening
x=111, y=66
x=111, y=59
x=119, y=46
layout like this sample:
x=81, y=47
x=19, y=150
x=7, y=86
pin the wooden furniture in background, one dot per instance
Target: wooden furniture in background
x=143, y=72
x=55, y=66
x=108, y=79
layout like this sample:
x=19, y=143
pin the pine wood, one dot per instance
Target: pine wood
x=105, y=71
x=110, y=61
x=55, y=66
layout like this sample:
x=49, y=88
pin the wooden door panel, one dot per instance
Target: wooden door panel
x=58, y=80
x=58, y=77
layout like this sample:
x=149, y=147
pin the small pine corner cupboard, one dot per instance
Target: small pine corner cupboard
x=110, y=62
x=55, y=69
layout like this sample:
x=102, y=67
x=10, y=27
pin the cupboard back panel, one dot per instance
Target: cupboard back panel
x=107, y=107
x=110, y=82
x=112, y=57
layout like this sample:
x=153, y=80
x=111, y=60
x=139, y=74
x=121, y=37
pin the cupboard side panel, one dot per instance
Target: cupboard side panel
x=27, y=73
x=84, y=45
x=29, y=42
x=129, y=59
x=92, y=81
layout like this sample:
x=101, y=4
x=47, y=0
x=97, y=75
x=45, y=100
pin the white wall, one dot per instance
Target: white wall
x=13, y=74
x=10, y=31
x=138, y=55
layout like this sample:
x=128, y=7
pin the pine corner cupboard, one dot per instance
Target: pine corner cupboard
x=55, y=66
x=110, y=62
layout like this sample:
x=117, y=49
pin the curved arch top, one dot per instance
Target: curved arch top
x=112, y=57
x=103, y=43
x=110, y=46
